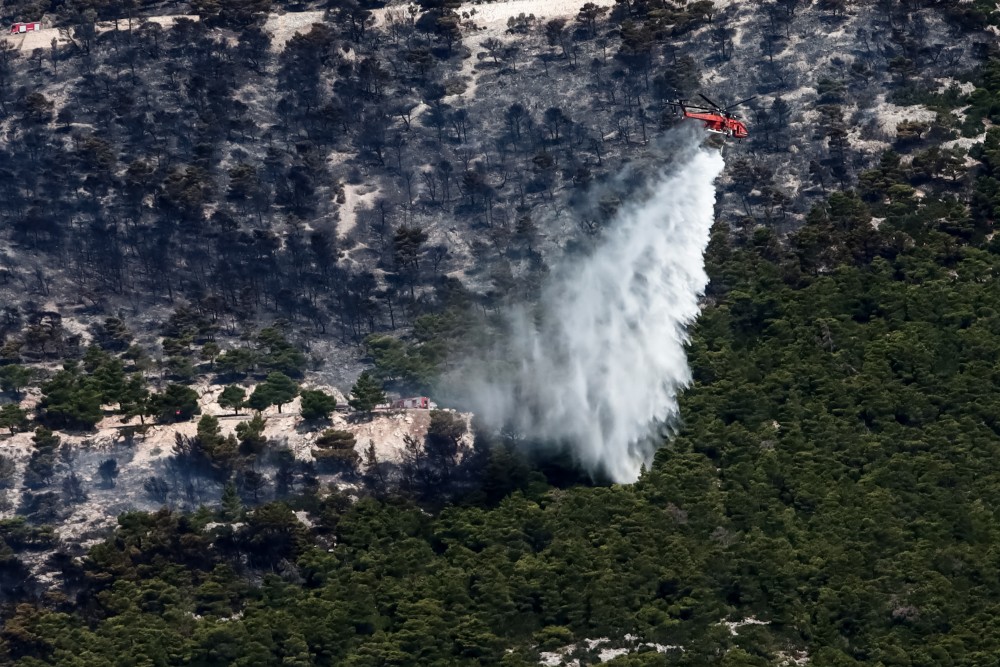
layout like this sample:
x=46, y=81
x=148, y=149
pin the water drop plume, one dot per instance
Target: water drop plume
x=596, y=366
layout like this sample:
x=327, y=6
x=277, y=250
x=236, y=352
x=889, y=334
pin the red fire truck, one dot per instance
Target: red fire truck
x=19, y=28
x=420, y=402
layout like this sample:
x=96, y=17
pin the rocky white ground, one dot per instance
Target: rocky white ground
x=601, y=649
x=604, y=649
x=147, y=452
x=491, y=20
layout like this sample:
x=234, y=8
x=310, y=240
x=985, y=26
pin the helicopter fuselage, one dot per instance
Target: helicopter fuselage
x=720, y=124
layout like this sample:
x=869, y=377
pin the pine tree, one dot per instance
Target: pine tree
x=72, y=489
x=220, y=450
x=232, y=507
x=209, y=432
x=233, y=397
x=317, y=404
x=366, y=393
x=114, y=335
x=157, y=489
x=110, y=379
x=251, y=435
x=134, y=401
x=277, y=389
x=41, y=466
x=335, y=450
x=108, y=470
x=13, y=378
x=209, y=351
x=261, y=398
x=373, y=477
x=283, y=389
x=177, y=403
x=70, y=400
x=13, y=417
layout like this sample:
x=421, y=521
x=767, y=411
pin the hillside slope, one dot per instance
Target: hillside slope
x=252, y=199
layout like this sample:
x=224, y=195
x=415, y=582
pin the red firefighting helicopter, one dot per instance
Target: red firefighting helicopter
x=718, y=119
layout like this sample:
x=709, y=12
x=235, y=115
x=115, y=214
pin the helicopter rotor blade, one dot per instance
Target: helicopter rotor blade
x=717, y=106
x=749, y=99
x=682, y=104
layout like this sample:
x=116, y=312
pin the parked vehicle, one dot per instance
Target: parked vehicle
x=19, y=28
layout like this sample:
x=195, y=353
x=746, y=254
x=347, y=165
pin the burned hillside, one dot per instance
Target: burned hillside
x=339, y=178
x=214, y=196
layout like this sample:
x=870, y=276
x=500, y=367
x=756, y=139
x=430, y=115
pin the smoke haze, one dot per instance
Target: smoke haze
x=599, y=367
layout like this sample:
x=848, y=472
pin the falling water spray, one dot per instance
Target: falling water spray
x=598, y=365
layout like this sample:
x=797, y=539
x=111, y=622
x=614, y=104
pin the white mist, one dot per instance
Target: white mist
x=600, y=369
